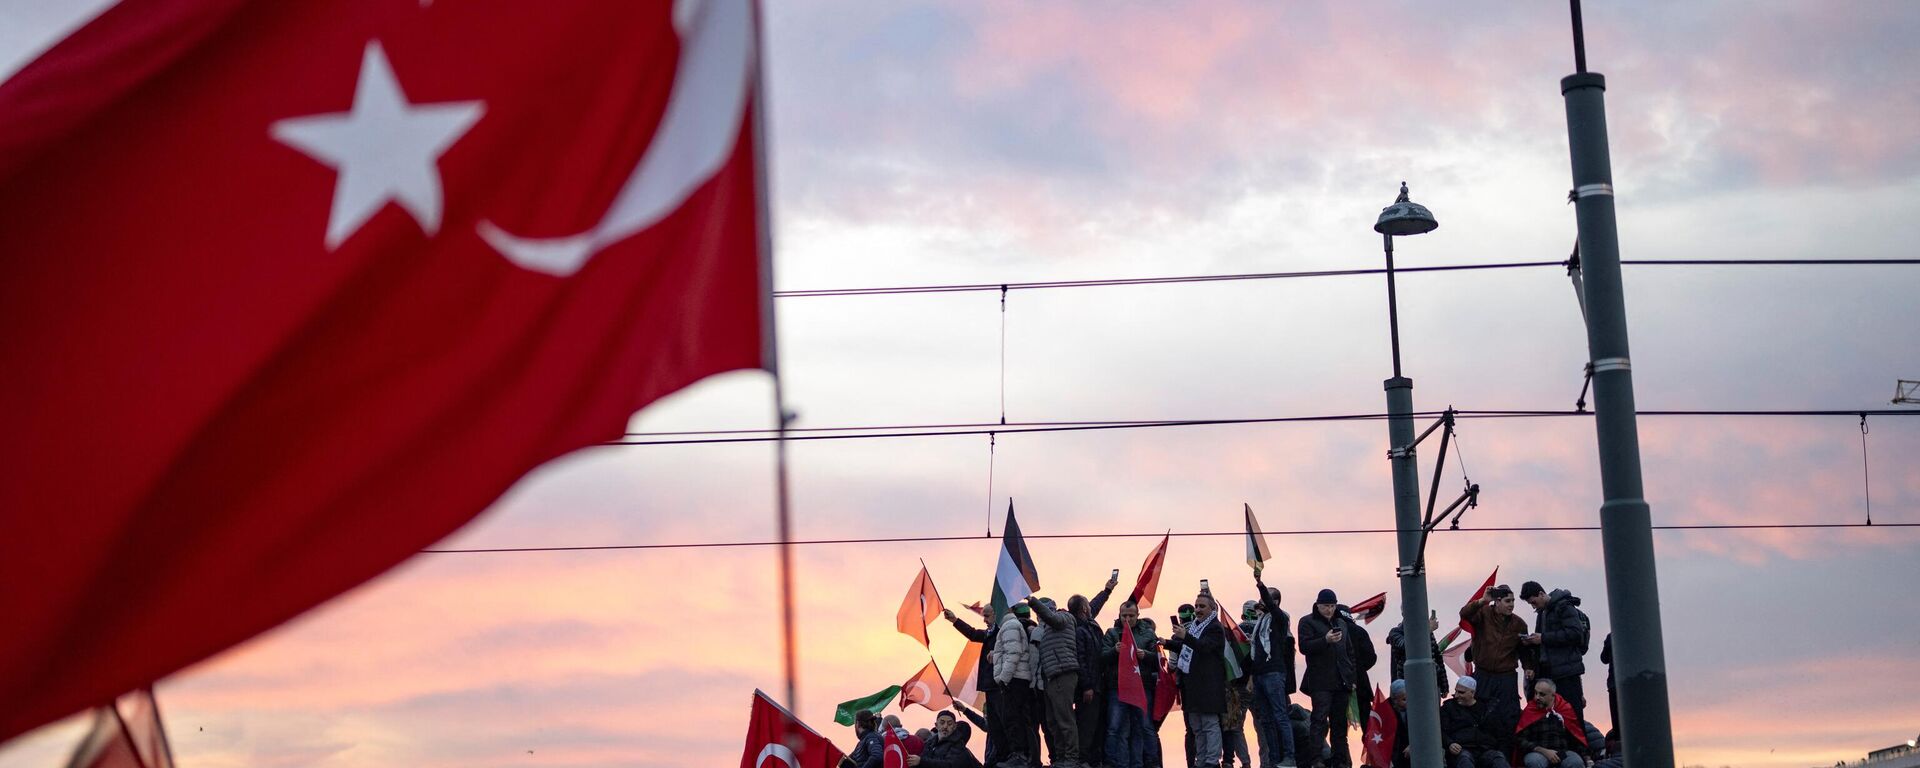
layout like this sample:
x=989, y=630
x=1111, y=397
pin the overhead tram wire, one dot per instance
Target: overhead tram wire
x=1152, y=534
x=898, y=431
x=1166, y=280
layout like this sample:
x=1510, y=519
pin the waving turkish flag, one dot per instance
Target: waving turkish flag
x=292, y=289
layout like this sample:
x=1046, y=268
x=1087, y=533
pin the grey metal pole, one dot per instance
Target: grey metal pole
x=1626, y=534
x=1423, y=701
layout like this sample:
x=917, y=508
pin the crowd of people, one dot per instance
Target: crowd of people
x=1052, y=681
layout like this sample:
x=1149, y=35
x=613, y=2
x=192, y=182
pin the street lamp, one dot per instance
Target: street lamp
x=1405, y=217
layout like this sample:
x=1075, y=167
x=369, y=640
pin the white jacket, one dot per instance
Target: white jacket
x=1012, y=651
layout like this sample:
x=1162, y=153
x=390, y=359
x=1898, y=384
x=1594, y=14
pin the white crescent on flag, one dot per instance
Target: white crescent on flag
x=778, y=752
x=695, y=137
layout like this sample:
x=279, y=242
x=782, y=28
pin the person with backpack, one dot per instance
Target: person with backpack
x=1561, y=635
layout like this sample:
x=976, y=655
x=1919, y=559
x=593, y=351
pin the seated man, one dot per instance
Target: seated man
x=948, y=747
x=1469, y=730
x=1549, y=733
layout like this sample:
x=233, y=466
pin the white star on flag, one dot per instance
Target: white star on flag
x=385, y=149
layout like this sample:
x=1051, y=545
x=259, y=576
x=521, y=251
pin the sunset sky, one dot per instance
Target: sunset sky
x=991, y=142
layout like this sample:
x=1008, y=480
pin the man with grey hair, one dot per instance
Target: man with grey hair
x=1549, y=734
x=1469, y=730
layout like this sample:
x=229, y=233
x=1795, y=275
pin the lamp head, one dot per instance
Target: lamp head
x=1405, y=217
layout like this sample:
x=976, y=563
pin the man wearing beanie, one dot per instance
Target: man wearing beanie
x=1561, y=635
x=1496, y=650
x=1328, y=682
x=1467, y=729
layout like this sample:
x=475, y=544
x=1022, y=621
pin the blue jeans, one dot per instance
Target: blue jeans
x=1270, y=701
x=1126, y=734
x=1567, y=760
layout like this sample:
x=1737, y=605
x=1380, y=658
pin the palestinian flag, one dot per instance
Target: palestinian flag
x=1369, y=609
x=1257, y=551
x=1014, y=578
x=1238, y=647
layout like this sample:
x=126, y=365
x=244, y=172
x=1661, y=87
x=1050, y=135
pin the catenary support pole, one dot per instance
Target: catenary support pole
x=1633, y=594
x=1423, y=701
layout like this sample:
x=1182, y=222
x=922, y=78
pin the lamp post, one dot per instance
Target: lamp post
x=1406, y=217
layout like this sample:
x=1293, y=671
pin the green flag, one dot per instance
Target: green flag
x=843, y=714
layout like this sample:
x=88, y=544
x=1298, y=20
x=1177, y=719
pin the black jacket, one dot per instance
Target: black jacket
x=950, y=752
x=985, y=639
x=1365, y=656
x=1278, y=653
x=1203, y=688
x=1329, y=665
x=1606, y=657
x=1091, y=645
x=1397, y=650
x=1474, y=727
x=1143, y=639
x=1564, y=636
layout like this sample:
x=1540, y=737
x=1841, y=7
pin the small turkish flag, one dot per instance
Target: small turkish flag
x=1381, y=726
x=893, y=751
x=920, y=607
x=777, y=739
x=293, y=289
x=1131, y=688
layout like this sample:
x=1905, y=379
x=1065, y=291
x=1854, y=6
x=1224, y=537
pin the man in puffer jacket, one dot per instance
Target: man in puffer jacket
x=1013, y=662
x=1561, y=633
x=1059, y=637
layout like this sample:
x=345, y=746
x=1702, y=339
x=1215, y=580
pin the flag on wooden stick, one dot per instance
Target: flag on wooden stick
x=926, y=688
x=1149, y=580
x=920, y=607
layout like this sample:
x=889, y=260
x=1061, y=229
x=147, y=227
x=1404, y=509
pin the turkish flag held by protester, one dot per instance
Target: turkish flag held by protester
x=1149, y=580
x=1381, y=725
x=920, y=607
x=1130, y=687
x=927, y=688
x=777, y=739
x=893, y=751
x=1166, y=692
x=1465, y=625
x=295, y=289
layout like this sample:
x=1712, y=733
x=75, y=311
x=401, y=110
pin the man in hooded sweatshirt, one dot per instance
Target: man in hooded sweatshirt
x=1562, y=634
x=1328, y=682
x=1013, y=673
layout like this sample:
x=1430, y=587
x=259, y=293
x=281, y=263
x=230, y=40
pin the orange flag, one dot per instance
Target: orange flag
x=964, y=683
x=920, y=608
x=927, y=689
x=1149, y=580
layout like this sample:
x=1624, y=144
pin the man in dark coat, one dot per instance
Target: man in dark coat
x=1271, y=667
x=996, y=727
x=1497, y=650
x=1328, y=682
x=1365, y=656
x=1060, y=665
x=1200, y=649
x=1613, y=697
x=1091, y=708
x=948, y=749
x=1561, y=634
x=1472, y=736
x=1397, y=651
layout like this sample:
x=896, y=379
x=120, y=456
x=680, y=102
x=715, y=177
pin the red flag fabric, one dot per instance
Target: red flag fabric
x=1131, y=688
x=893, y=751
x=926, y=688
x=777, y=739
x=1477, y=594
x=1149, y=579
x=293, y=290
x=1166, y=694
x=919, y=609
x=1561, y=707
x=1369, y=609
x=1381, y=725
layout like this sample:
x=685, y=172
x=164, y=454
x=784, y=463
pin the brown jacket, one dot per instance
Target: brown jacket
x=1496, y=638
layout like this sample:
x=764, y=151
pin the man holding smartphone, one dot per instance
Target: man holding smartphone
x=1328, y=682
x=1200, y=647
